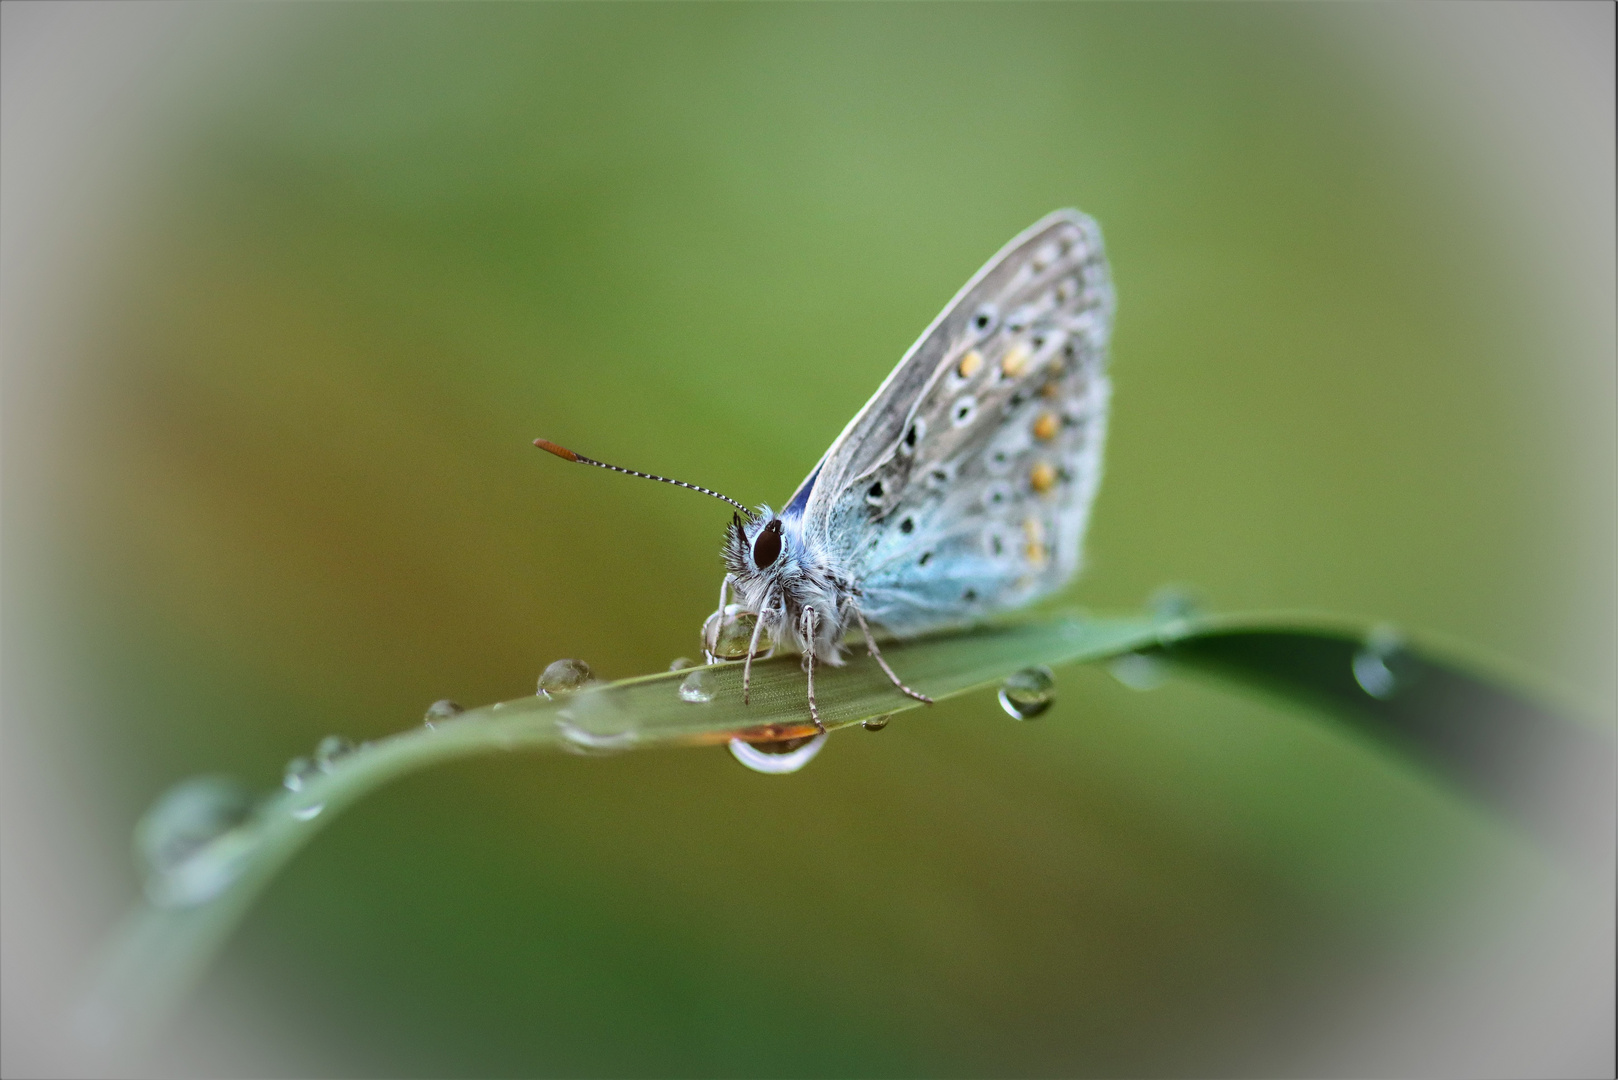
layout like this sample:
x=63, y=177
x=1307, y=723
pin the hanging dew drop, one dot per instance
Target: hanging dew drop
x=1027, y=694
x=876, y=723
x=564, y=677
x=1139, y=671
x=1174, y=602
x=699, y=687
x=300, y=770
x=439, y=711
x=780, y=757
x=577, y=740
x=331, y=750
x=1381, y=666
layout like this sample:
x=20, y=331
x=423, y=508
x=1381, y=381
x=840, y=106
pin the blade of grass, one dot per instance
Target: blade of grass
x=1469, y=729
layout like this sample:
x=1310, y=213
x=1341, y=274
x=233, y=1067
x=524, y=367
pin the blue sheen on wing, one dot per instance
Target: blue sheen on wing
x=800, y=498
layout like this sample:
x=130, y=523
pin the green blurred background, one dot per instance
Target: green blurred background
x=287, y=489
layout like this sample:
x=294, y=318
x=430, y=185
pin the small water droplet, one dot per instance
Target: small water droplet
x=439, y=711
x=1381, y=666
x=564, y=677
x=579, y=741
x=332, y=749
x=699, y=687
x=680, y=663
x=308, y=813
x=727, y=634
x=1027, y=694
x=194, y=841
x=300, y=770
x=778, y=758
x=1173, y=602
x=876, y=723
x=1139, y=671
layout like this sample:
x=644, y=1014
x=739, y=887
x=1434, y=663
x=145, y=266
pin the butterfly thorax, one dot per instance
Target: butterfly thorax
x=780, y=584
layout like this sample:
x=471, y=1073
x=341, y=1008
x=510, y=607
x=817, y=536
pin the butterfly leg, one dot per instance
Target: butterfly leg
x=876, y=653
x=752, y=647
x=809, y=665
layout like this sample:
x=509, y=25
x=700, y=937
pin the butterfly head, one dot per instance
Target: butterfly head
x=756, y=546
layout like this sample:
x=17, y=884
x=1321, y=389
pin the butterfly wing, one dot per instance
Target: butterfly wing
x=964, y=486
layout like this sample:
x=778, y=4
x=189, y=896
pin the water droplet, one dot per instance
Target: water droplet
x=308, y=813
x=699, y=687
x=1139, y=671
x=187, y=817
x=300, y=770
x=1174, y=602
x=778, y=758
x=727, y=634
x=1381, y=666
x=680, y=663
x=876, y=723
x=1027, y=694
x=564, y=677
x=439, y=711
x=580, y=741
x=194, y=841
x=332, y=749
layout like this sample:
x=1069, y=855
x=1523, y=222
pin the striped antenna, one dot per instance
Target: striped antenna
x=567, y=455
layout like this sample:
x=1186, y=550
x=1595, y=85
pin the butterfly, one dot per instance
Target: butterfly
x=962, y=489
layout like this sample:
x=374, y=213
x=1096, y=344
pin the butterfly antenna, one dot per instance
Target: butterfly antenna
x=567, y=455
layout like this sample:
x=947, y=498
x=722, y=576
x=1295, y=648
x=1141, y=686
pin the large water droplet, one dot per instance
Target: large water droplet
x=727, y=634
x=188, y=816
x=1381, y=666
x=1139, y=671
x=439, y=711
x=332, y=749
x=680, y=663
x=1027, y=694
x=300, y=770
x=194, y=841
x=778, y=758
x=876, y=723
x=699, y=687
x=564, y=677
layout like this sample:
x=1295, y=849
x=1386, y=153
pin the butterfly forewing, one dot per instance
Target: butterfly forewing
x=964, y=486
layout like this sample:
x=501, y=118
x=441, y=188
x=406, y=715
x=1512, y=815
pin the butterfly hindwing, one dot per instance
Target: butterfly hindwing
x=964, y=486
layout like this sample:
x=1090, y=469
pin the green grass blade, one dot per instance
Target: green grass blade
x=1467, y=728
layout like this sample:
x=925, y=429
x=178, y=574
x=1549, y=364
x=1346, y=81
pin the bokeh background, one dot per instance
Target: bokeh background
x=289, y=289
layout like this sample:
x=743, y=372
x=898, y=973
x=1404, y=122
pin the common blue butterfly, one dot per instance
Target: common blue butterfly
x=961, y=489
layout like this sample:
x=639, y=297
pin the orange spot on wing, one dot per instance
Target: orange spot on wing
x=1015, y=362
x=1041, y=478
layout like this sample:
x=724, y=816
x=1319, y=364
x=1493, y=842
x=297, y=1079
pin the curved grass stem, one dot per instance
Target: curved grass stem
x=1465, y=727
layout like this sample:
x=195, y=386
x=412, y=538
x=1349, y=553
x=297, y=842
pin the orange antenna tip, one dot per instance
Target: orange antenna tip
x=560, y=451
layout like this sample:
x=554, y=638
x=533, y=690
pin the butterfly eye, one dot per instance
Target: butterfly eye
x=767, y=548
